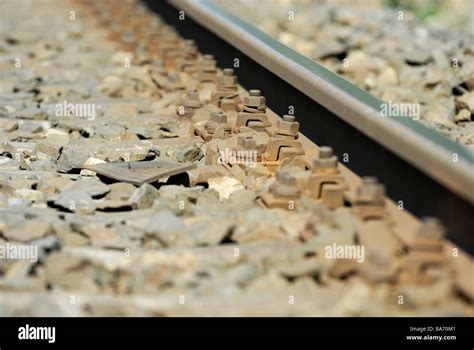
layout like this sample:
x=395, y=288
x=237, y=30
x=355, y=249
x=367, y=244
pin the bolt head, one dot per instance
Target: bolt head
x=227, y=80
x=288, y=127
x=192, y=95
x=190, y=47
x=285, y=178
x=247, y=142
x=192, y=100
x=208, y=62
x=325, y=164
x=285, y=185
x=369, y=180
x=371, y=191
x=255, y=93
x=431, y=228
x=219, y=117
x=254, y=101
x=325, y=152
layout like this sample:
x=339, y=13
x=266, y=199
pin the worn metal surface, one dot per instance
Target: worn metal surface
x=139, y=173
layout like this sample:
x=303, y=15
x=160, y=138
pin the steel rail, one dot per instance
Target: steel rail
x=423, y=153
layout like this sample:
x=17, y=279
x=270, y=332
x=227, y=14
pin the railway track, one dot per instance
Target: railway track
x=437, y=174
x=152, y=183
